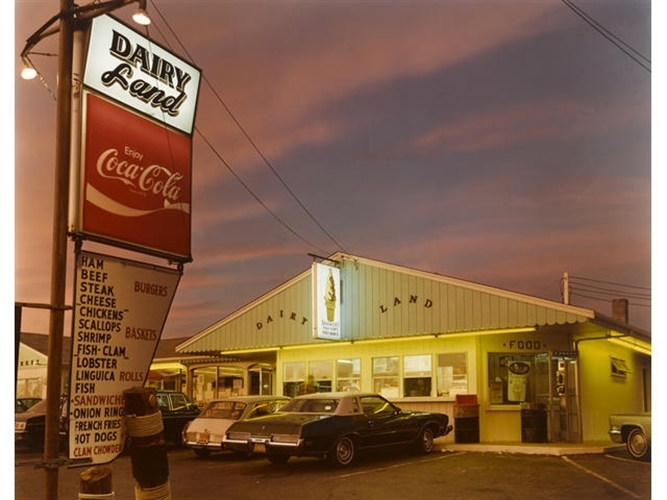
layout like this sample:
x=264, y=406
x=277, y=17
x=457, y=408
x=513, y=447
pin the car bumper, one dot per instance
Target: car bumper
x=260, y=444
x=615, y=435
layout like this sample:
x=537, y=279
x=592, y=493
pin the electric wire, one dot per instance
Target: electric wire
x=606, y=300
x=280, y=221
x=590, y=288
x=255, y=147
x=620, y=44
x=622, y=285
x=238, y=178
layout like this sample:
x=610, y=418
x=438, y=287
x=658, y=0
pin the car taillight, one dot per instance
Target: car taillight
x=285, y=438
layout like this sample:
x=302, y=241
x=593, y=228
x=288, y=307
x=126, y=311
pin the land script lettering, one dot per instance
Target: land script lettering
x=153, y=66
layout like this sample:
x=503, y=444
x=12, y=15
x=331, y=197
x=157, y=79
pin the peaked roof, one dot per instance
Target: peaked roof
x=381, y=302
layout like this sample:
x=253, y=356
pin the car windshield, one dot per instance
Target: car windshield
x=39, y=407
x=311, y=405
x=231, y=410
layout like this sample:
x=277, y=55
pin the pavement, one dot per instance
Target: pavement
x=556, y=449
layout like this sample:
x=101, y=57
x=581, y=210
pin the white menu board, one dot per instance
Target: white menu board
x=120, y=308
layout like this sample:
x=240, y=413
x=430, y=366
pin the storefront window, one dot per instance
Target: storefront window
x=210, y=382
x=385, y=376
x=452, y=374
x=511, y=378
x=417, y=375
x=320, y=373
x=348, y=374
x=204, y=384
x=294, y=379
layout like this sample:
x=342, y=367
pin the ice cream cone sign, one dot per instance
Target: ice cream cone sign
x=330, y=297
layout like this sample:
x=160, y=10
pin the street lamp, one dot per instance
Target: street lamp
x=68, y=19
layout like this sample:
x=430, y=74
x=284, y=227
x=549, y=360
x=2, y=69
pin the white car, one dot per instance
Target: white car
x=204, y=434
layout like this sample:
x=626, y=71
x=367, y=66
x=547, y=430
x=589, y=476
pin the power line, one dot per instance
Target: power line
x=627, y=49
x=602, y=291
x=280, y=221
x=622, y=285
x=255, y=147
x=607, y=300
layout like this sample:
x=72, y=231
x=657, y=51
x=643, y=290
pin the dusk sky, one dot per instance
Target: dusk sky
x=500, y=142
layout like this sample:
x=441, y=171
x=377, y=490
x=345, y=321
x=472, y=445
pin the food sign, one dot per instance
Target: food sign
x=327, y=306
x=120, y=308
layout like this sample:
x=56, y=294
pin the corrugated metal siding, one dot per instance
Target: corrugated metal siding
x=387, y=303
x=284, y=318
x=380, y=301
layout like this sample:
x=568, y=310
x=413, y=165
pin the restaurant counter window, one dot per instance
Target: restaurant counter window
x=452, y=374
x=348, y=375
x=385, y=376
x=294, y=379
x=417, y=376
x=320, y=374
x=511, y=378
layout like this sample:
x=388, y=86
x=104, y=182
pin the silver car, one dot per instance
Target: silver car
x=204, y=434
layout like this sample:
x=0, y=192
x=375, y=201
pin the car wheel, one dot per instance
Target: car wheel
x=277, y=458
x=637, y=444
x=343, y=452
x=202, y=453
x=425, y=440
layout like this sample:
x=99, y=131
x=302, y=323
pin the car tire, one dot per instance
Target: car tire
x=425, y=441
x=637, y=444
x=202, y=453
x=343, y=451
x=277, y=458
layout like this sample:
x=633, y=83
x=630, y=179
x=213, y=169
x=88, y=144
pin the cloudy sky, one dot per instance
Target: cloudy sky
x=501, y=142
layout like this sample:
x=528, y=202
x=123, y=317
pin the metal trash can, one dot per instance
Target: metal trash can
x=533, y=423
x=466, y=419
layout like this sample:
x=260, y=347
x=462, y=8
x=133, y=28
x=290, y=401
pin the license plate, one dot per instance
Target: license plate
x=203, y=438
x=259, y=448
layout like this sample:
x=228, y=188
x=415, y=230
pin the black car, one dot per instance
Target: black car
x=334, y=426
x=23, y=404
x=177, y=411
x=30, y=425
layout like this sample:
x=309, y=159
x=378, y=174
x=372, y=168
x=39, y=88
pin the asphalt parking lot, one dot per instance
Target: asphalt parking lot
x=401, y=474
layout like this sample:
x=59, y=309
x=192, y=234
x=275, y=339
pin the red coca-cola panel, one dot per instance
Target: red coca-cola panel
x=136, y=188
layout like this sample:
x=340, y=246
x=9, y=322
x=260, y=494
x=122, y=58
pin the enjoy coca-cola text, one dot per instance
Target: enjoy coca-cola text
x=153, y=179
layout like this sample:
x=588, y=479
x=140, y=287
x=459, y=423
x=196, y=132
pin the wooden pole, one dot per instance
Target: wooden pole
x=148, y=449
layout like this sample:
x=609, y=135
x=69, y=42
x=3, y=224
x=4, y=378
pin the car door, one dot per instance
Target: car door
x=383, y=422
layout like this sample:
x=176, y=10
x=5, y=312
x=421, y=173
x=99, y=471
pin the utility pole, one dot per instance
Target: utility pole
x=59, y=257
x=68, y=15
x=566, y=288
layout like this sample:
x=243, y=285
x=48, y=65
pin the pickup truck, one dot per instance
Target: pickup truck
x=634, y=430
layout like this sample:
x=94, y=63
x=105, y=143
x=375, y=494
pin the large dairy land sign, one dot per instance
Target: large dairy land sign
x=134, y=70
x=120, y=308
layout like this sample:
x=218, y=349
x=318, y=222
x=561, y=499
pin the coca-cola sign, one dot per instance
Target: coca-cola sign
x=135, y=188
x=134, y=70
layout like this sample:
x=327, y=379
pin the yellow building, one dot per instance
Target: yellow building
x=505, y=366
